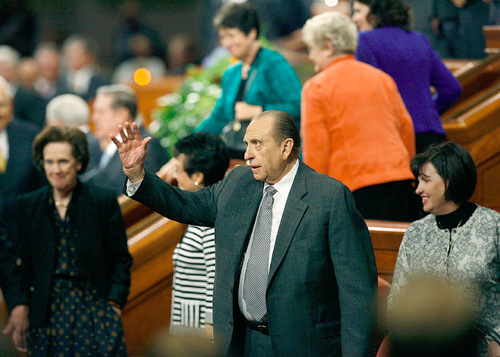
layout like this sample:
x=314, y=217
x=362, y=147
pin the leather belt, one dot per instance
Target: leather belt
x=261, y=327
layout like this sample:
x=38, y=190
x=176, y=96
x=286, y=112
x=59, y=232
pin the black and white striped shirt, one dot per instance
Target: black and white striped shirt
x=194, y=262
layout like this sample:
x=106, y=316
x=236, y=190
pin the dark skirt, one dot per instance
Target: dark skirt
x=81, y=323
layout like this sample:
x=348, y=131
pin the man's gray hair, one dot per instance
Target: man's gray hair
x=123, y=97
x=9, y=55
x=69, y=108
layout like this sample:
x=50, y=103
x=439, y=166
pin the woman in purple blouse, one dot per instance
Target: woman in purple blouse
x=408, y=57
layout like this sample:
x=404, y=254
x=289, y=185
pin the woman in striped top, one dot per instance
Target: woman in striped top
x=201, y=159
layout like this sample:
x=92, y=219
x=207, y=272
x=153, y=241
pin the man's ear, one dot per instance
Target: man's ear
x=287, y=148
x=124, y=115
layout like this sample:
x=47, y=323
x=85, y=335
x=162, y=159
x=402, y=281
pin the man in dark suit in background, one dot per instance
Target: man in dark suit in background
x=82, y=76
x=17, y=173
x=116, y=105
x=28, y=105
x=295, y=276
x=72, y=110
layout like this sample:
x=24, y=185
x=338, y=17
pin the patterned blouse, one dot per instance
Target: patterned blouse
x=470, y=254
x=194, y=261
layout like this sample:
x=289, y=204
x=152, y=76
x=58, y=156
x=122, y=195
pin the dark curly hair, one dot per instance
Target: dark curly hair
x=56, y=134
x=243, y=16
x=205, y=153
x=455, y=166
x=392, y=13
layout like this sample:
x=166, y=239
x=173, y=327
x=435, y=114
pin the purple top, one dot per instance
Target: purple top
x=407, y=56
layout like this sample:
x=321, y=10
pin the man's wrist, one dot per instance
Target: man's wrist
x=135, y=177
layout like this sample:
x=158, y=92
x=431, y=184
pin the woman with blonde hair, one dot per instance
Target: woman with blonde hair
x=355, y=126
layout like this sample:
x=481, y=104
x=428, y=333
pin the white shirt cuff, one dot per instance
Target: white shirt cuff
x=132, y=187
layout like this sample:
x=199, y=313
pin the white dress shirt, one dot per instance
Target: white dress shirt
x=283, y=188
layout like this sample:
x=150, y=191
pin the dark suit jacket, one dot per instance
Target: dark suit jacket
x=112, y=176
x=20, y=176
x=100, y=241
x=96, y=81
x=29, y=106
x=10, y=273
x=322, y=279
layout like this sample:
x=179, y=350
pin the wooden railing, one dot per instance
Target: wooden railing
x=386, y=239
x=147, y=312
x=477, y=128
x=492, y=36
x=477, y=76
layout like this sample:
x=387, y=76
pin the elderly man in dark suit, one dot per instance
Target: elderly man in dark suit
x=17, y=173
x=295, y=269
x=116, y=105
x=27, y=104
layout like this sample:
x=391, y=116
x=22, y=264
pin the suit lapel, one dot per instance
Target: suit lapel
x=246, y=213
x=292, y=215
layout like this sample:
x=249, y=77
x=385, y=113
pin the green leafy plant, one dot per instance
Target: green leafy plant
x=183, y=110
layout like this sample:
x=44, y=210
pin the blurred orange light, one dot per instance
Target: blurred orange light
x=142, y=76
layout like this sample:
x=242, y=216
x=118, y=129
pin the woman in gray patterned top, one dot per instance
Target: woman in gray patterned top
x=459, y=240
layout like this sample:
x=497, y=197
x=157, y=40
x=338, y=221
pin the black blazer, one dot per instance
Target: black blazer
x=20, y=176
x=10, y=273
x=100, y=241
x=322, y=279
x=29, y=106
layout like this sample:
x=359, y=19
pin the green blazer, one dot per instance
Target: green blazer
x=272, y=83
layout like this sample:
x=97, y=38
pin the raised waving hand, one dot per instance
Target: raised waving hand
x=132, y=149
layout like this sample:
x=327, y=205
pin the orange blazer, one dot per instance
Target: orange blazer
x=355, y=126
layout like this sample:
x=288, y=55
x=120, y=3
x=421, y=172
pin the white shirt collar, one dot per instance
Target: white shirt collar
x=284, y=185
x=4, y=144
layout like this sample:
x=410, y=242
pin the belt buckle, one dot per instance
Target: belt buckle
x=259, y=327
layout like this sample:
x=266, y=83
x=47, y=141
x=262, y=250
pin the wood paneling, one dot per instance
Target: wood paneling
x=147, y=96
x=386, y=239
x=477, y=128
x=492, y=36
x=477, y=76
x=147, y=312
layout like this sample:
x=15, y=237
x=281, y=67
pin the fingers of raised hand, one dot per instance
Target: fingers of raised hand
x=129, y=133
x=115, y=141
x=121, y=132
x=137, y=132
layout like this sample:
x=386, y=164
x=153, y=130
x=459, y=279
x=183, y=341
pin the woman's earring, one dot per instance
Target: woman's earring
x=196, y=183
